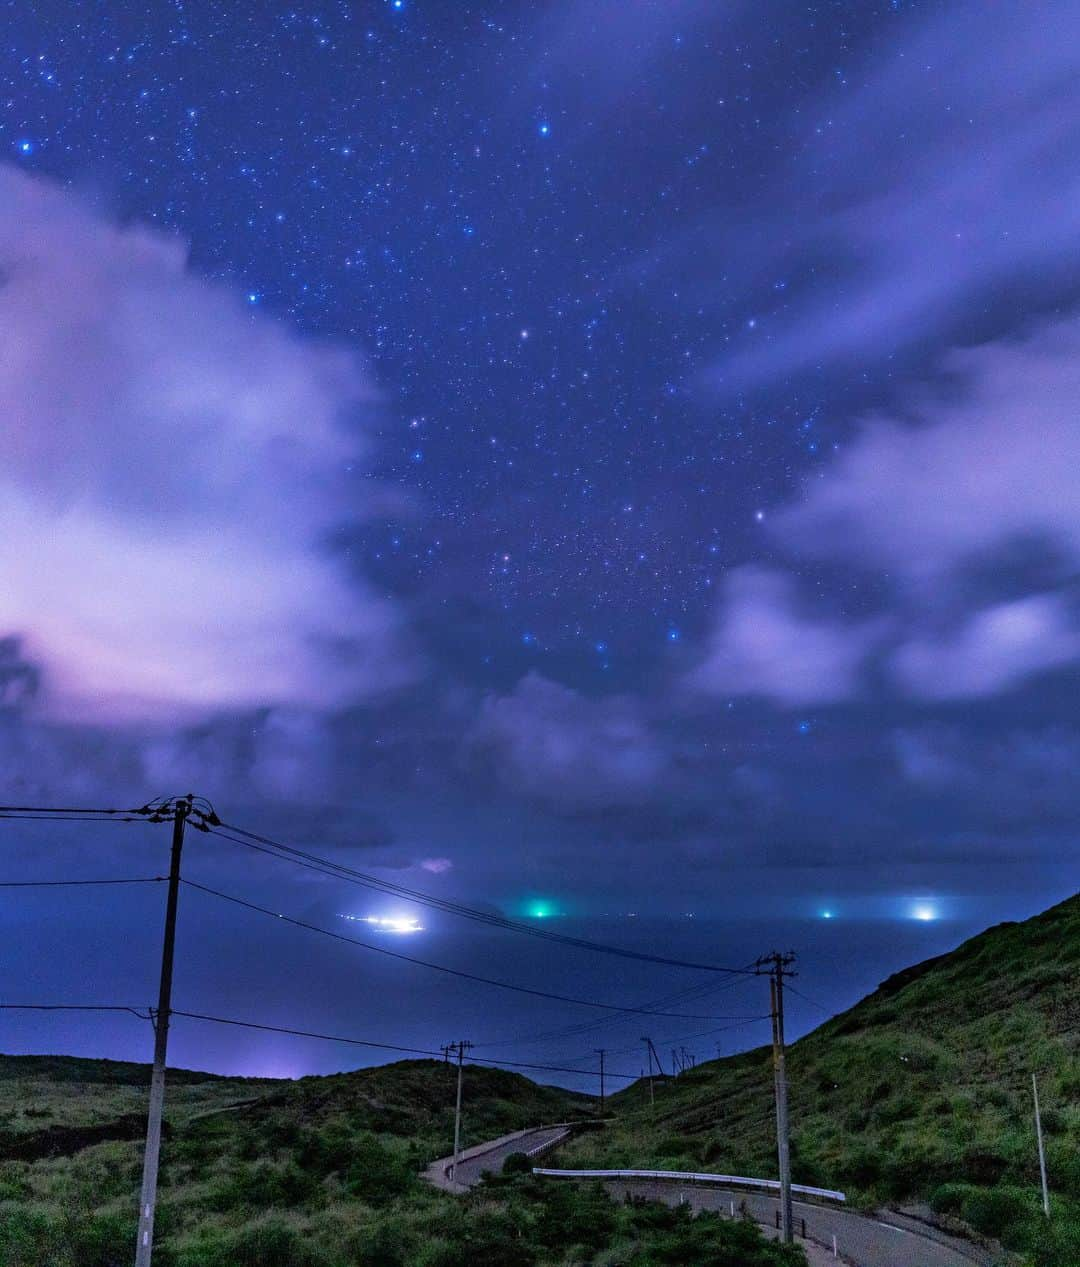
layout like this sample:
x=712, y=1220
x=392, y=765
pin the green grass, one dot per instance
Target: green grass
x=324, y=1173
x=920, y=1092
x=924, y=1084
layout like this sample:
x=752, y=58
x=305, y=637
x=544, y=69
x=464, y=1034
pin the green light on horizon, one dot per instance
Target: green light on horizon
x=541, y=910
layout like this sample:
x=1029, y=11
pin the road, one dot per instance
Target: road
x=471, y=1168
x=491, y=1156
x=862, y=1240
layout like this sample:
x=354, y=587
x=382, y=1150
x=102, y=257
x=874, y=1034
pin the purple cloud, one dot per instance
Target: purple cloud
x=568, y=751
x=996, y=464
x=995, y=648
x=171, y=464
x=939, y=173
x=764, y=643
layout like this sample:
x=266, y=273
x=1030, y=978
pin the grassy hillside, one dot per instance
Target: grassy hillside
x=922, y=1090
x=322, y=1172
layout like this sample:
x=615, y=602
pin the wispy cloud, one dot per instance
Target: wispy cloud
x=171, y=465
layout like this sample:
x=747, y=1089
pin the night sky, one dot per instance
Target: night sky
x=613, y=463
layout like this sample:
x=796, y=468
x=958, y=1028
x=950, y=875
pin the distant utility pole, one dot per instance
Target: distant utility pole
x=1042, y=1150
x=461, y=1047
x=178, y=811
x=778, y=967
x=652, y=1092
x=601, y=1053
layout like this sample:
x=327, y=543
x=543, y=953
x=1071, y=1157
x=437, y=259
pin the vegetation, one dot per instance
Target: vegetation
x=318, y=1173
x=921, y=1092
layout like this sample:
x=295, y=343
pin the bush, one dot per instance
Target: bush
x=376, y=1174
x=1055, y=1242
x=996, y=1211
x=517, y=1164
x=272, y=1243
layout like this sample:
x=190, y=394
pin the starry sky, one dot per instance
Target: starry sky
x=614, y=460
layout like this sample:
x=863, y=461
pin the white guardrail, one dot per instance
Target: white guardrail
x=537, y=1149
x=769, y=1185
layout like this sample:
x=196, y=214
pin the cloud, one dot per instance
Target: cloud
x=934, y=505
x=935, y=176
x=979, y=470
x=567, y=751
x=172, y=464
x=764, y=644
x=996, y=648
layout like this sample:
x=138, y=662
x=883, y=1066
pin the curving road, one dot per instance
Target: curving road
x=491, y=1156
x=862, y=1240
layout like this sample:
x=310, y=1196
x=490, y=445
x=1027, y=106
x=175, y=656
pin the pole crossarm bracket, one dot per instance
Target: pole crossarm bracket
x=196, y=810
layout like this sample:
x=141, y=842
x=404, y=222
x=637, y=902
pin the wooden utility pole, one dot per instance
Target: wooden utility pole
x=778, y=967
x=601, y=1053
x=144, y=1245
x=1042, y=1150
x=460, y=1047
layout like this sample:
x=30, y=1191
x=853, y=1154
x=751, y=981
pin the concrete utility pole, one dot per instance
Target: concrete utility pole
x=460, y=1047
x=1042, y=1150
x=144, y=1245
x=601, y=1053
x=778, y=967
x=652, y=1093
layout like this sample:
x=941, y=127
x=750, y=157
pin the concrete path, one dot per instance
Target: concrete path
x=862, y=1240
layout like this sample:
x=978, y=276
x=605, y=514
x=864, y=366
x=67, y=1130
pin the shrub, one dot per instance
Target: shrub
x=996, y=1211
x=517, y=1164
x=272, y=1243
x=376, y=1174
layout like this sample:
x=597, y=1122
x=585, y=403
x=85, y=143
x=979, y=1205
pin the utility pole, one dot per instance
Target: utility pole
x=778, y=967
x=652, y=1092
x=180, y=809
x=460, y=1047
x=601, y=1053
x=1042, y=1150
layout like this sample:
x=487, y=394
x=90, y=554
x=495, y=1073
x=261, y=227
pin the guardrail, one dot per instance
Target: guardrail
x=548, y=1144
x=680, y=1176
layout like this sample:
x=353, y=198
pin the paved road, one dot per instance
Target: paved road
x=470, y=1169
x=474, y=1161
x=862, y=1239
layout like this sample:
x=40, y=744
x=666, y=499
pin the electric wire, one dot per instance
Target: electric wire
x=413, y=1051
x=58, y=809
x=438, y=967
x=74, y=1007
x=70, y=818
x=303, y=858
x=584, y=1027
x=70, y=884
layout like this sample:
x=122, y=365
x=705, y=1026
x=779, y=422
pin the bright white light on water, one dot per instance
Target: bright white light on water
x=924, y=912
x=828, y=914
x=401, y=924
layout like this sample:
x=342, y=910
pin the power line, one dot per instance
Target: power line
x=438, y=967
x=364, y=1042
x=74, y=1007
x=68, y=884
x=303, y=858
x=584, y=1027
x=813, y=1003
x=57, y=809
x=71, y=817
